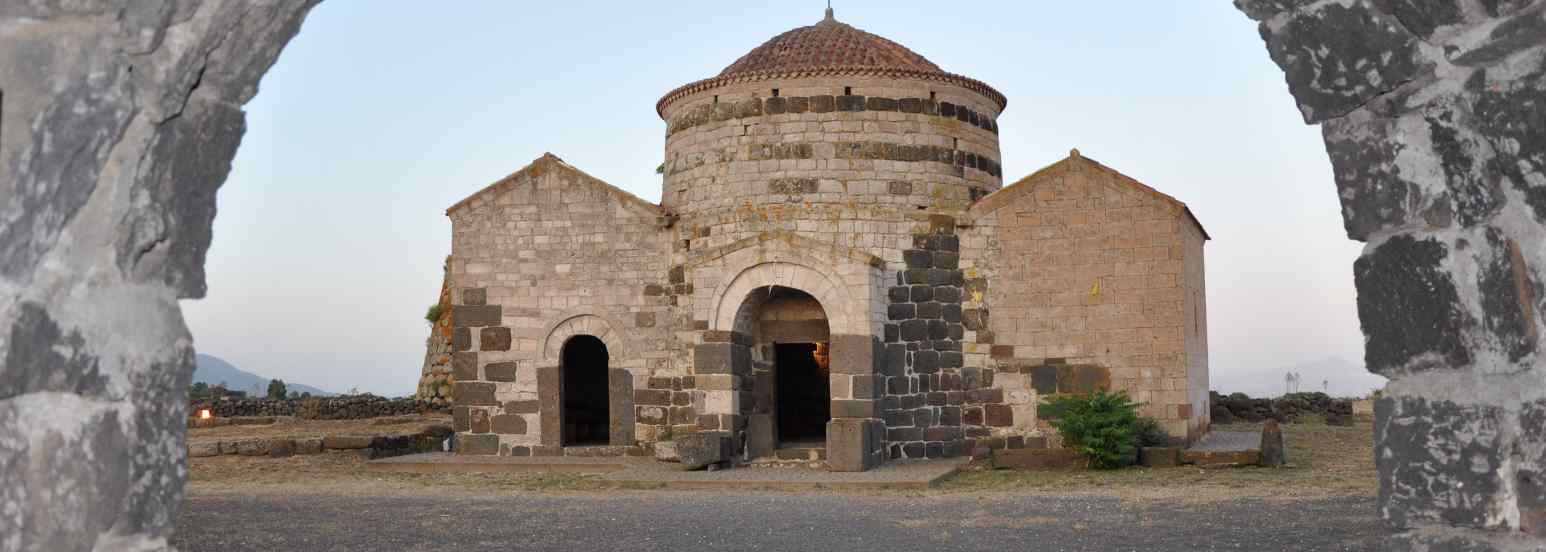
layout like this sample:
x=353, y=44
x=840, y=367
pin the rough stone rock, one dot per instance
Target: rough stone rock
x=252, y=448
x=1159, y=457
x=200, y=450
x=699, y=450
x=1273, y=453
x=120, y=121
x=665, y=451
x=308, y=446
x=281, y=448
x=1432, y=117
x=346, y=442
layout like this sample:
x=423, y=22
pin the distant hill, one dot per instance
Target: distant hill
x=1342, y=377
x=212, y=370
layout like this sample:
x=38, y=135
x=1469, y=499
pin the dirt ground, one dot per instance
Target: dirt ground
x=1324, y=461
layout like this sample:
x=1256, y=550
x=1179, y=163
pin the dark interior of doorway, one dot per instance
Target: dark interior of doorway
x=584, y=367
x=804, y=395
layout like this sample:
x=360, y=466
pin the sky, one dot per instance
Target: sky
x=380, y=114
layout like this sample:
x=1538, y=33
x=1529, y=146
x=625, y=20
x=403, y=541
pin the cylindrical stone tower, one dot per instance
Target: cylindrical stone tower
x=826, y=125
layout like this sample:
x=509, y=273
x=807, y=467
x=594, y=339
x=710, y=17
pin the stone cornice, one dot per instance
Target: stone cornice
x=842, y=71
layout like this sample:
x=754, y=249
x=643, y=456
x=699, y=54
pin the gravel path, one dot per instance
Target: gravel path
x=295, y=518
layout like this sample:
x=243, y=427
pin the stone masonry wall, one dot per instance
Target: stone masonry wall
x=1194, y=308
x=1434, y=120
x=544, y=254
x=119, y=122
x=1078, y=279
x=864, y=166
x=845, y=169
x=435, y=381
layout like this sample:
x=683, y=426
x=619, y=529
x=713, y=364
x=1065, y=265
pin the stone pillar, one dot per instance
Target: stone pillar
x=120, y=122
x=855, y=436
x=1434, y=117
x=620, y=407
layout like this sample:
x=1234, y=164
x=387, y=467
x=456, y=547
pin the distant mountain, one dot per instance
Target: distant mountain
x=1335, y=375
x=212, y=370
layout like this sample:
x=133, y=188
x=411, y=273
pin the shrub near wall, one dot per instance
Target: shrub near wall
x=350, y=407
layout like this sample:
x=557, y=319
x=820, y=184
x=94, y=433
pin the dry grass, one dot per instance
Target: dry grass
x=1323, y=461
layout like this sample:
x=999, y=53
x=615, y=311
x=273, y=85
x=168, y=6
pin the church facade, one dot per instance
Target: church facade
x=834, y=273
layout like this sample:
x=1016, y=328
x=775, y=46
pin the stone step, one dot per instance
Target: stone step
x=808, y=454
x=1224, y=448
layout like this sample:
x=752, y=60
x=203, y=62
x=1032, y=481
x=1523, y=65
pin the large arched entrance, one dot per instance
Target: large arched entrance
x=585, y=410
x=791, y=387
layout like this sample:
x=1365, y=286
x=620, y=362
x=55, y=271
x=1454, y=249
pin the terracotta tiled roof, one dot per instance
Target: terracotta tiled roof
x=828, y=44
x=829, y=48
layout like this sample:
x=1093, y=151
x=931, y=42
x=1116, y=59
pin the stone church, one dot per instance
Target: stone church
x=835, y=272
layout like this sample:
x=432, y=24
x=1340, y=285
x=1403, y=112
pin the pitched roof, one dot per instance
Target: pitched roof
x=548, y=162
x=827, y=48
x=1074, y=161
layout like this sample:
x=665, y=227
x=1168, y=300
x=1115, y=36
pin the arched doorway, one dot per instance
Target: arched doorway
x=791, y=376
x=586, y=415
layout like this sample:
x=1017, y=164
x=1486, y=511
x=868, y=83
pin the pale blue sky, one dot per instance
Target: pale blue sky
x=380, y=114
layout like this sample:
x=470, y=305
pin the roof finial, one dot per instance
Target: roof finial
x=829, y=12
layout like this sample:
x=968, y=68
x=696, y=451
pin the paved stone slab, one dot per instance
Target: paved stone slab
x=1224, y=448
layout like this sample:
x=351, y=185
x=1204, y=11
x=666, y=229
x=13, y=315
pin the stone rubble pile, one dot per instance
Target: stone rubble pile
x=1290, y=408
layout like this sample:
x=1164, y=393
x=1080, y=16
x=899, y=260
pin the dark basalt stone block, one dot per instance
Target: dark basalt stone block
x=473, y=393
x=464, y=366
x=494, y=339
x=916, y=258
x=915, y=330
x=895, y=360
x=1408, y=306
x=926, y=362
x=487, y=315
x=484, y=444
x=1438, y=461
x=822, y=104
x=798, y=105
x=499, y=371
x=1338, y=57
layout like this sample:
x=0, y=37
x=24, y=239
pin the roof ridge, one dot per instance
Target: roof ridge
x=547, y=158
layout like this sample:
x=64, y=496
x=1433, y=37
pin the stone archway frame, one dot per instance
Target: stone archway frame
x=575, y=323
x=848, y=284
x=550, y=378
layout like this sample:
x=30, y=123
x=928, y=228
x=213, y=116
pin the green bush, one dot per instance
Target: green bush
x=1148, y=432
x=1098, y=426
x=434, y=313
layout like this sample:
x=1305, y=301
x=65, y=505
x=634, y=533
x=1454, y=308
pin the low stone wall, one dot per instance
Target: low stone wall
x=353, y=407
x=368, y=446
x=1289, y=408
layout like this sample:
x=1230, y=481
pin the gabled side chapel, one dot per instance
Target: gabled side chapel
x=834, y=273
